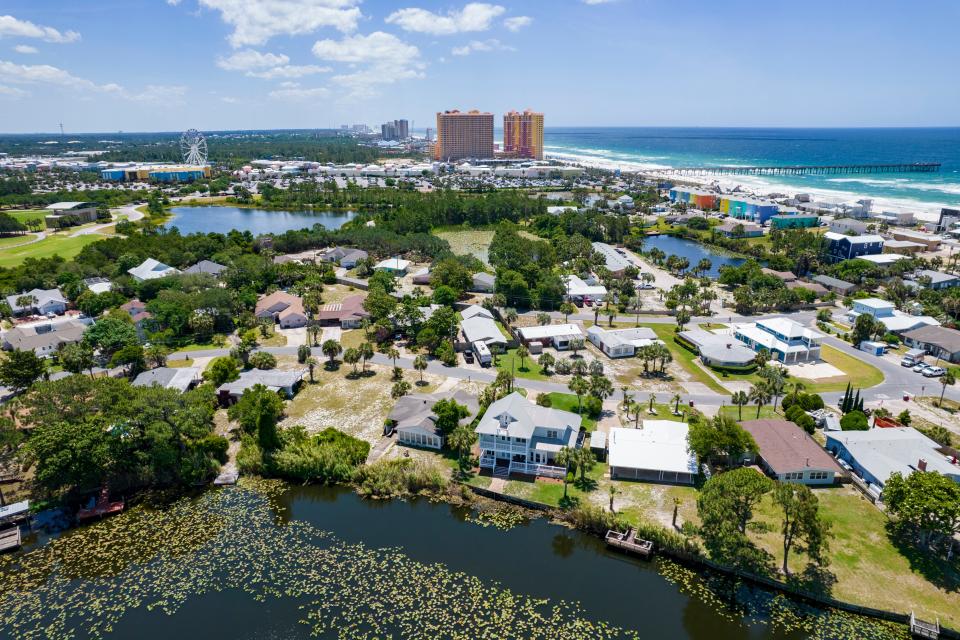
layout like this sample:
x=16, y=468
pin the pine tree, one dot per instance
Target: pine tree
x=845, y=401
x=857, y=402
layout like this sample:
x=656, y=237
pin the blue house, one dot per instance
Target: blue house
x=841, y=247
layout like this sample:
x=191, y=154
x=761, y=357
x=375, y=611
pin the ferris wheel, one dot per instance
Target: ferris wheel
x=193, y=146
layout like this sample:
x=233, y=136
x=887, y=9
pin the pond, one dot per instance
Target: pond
x=692, y=251
x=216, y=219
x=267, y=560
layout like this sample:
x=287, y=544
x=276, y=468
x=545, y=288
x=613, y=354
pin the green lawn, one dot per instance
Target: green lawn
x=8, y=241
x=550, y=491
x=27, y=215
x=859, y=372
x=63, y=246
x=568, y=402
x=750, y=412
x=684, y=357
x=528, y=369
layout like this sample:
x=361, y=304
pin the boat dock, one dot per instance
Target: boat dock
x=10, y=539
x=797, y=170
x=923, y=629
x=629, y=542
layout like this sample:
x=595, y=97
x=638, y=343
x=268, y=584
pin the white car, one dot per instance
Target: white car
x=920, y=367
x=933, y=372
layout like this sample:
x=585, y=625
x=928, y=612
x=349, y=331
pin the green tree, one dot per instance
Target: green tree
x=222, y=370
x=546, y=361
x=352, y=356
x=331, y=348
x=565, y=458
x=600, y=387
x=946, y=380
x=156, y=355
x=566, y=309
x=399, y=389
x=523, y=353
x=725, y=506
x=110, y=334
x=366, y=352
x=461, y=441
x=303, y=352
x=760, y=395
x=585, y=461
x=579, y=386
x=20, y=369
x=131, y=357
x=720, y=437
x=739, y=399
x=311, y=363
x=77, y=358
x=257, y=412
x=802, y=527
x=854, y=421
x=420, y=364
x=263, y=360
x=926, y=505
x=449, y=414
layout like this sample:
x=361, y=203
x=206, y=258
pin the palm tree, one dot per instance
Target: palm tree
x=637, y=306
x=775, y=385
x=585, y=460
x=461, y=440
x=393, y=354
x=331, y=348
x=400, y=389
x=653, y=399
x=797, y=388
x=637, y=408
x=420, y=364
x=626, y=396
x=611, y=314
x=739, y=399
x=352, y=356
x=565, y=458
x=366, y=352
x=760, y=394
x=579, y=386
x=546, y=361
x=523, y=353
x=946, y=380
x=543, y=319
x=510, y=316
x=676, y=406
x=311, y=362
x=566, y=309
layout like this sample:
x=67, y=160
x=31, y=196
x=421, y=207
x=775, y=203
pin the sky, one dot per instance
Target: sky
x=169, y=65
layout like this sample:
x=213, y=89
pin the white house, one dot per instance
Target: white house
x=558, y=335
x=396, y=266
x=483, y=282
x=42, y=302
x=657, y=452
x=578, y=290
x=895, y=321
x=621, y=343
x=151, y=269
x=518, y=436
x=785, y=340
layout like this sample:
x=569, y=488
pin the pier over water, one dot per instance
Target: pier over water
x=795, y=170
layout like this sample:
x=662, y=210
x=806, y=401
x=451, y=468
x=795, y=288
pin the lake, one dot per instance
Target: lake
x=268, y=560
x=692, y=251
x=216, y=219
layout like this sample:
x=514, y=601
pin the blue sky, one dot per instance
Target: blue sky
x=145, y=65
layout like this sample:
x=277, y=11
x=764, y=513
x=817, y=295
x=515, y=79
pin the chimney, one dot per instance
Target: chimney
x=922, y=465
x=808, y=462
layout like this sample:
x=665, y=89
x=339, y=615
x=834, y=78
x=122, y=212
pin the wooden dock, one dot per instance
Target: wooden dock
x=923, y=629
x=797, y=170
x=629, y=542
x=101, y=508
x=10, y=539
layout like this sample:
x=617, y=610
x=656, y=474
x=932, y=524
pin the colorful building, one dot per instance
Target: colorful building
x=697, y=198
x=523, y=134
x=744, y=208
x=156, y=173
x=795, y=221
x=464, y=135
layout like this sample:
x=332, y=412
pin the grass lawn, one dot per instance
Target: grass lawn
x=64, y=246
x=684, y=357
x=465, y=241
x=27, y=215
x=550, y=491
x=530, y=370
x=8, y=241
x=750, y=412
x=568, y=402
x=869, y=567
x=203, y=346
x=275, y=340
x=861, y=373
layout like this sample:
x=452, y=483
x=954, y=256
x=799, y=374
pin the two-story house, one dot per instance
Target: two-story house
x=784, y=339
x=884, y=311
x=842, y=247
x=518, y=436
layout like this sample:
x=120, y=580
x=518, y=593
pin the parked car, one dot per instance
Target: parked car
x=920, y=367
x=587, y=302
x=468, y=356
x=908, y=362
x=934, y=372
x=646, y=285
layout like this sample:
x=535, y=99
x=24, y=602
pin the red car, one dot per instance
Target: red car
x=587, y=302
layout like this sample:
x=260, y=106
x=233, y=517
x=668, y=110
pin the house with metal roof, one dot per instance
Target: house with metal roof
x=717, y=349
x=615, y=262
x=885, y=312
x=151, y=269
x=41, y=302
x=935, y=279
x=483, y=282
x=519, y=436
x=784, y=339
x=876, y=454
x=789, y=454
x=621, y=343
x=557, y=335
x=578, y=290
x=481, y=328
x=179, y=378
x=656, y=452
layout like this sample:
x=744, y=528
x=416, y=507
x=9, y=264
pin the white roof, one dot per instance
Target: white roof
x=551, y=331
x=577, y=287
x=395, y=264
x=901, y=321
x=883, y=258
x=480, y=328
x=660, y=445
x=864, y=239
x=875, y=303
x=883, y=452
x=615, y=261
x=151, y=269
x=67, y=206
x=789, y=328
x=474, y=311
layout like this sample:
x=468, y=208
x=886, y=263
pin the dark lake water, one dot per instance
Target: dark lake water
x=336, y=566
x=216, y=219
x=692, y=251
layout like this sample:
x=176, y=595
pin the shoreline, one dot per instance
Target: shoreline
x=923, y=211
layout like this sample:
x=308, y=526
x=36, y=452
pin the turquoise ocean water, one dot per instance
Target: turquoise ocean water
x=638, y=147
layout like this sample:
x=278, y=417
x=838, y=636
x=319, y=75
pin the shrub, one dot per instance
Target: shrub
x=811, y=401
x=263, y=360
x=596, y=519
x=399, y=478
x=330, y=456
x=250, y=456
x=854, y=421
x=593, y=407
x=794, y=412
x=806, y=423
x=215, y=446
x=544, y=400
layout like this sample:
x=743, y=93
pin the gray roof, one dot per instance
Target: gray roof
x=616, y=337
x=207, y=266
x=483, y=329
x=484, y=278
x=415, y=411
x=476, y=310
x=836, y=283
x=43, y=296
x=946, y=339
x=936, y=277
x=523, y=417
x=274, y=378
x=27, y=338
x=883, y=452
x=719, y=347
x=179, y=378
x=614, y=261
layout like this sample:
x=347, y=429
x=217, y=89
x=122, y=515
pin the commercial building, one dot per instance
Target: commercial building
x=699, y=198
x=842, y=247
x=518, y=436
x=877, y=454
x=939, y=342
x=615, y=262
x=464, y=135
x=752, y=209
x=930, y=241
x=396, y=130
x=885, y=312
x=657, y=452
x=795, y=221
x=784, y=339
x=156, y=173
x=789, y=454
x=523, y=134
x=69, y=213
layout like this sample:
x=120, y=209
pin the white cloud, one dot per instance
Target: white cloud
x=298, y=94
x=481, y=46
x=11, y=27
x=44, y=74
x=173, y=3
x=517, y=23
x=475, y=16
x=376, y=59
x=25, y=49
x=289, y=71
x=592, y=2
x=12, y=92
x=249, y=59
x=256, y=21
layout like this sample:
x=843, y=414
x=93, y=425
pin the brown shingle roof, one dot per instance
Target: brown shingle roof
x=351, y=307
x=785, y=447
x=946, y=339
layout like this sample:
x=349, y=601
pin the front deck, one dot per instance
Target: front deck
x=503, y=468
x=923, y=629
x=629, y=542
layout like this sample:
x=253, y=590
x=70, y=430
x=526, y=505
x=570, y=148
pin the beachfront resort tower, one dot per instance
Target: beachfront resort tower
x=523, y=134
x=464, y=135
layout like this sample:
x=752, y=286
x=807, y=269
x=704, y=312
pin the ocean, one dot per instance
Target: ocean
x=632, y=148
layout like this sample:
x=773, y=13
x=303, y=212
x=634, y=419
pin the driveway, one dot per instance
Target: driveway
x=295, y=337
